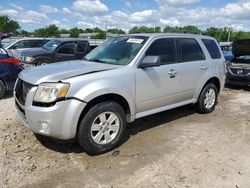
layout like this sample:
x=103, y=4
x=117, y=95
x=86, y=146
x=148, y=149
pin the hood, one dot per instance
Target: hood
x=61, y=71
x=34, y=52
x=241, y=47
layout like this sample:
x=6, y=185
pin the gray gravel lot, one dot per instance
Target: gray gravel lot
x=176, y=148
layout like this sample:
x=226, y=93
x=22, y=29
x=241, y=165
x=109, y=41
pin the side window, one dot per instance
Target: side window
x=37, y=43
x=212, y=48
x=190, y=50
x=81, y=47
x=66, y=49
x=18, y=45
x=165, y=48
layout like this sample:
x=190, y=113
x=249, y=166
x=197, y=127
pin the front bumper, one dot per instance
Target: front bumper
x=241, y=80
x=58, y=121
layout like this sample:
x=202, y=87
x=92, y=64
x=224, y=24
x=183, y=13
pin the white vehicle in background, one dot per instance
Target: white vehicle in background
x=21, y=43
x=15, y=45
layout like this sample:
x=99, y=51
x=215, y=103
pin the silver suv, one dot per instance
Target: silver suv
x=126, y=78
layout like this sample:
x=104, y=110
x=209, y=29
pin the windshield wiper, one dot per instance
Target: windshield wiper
x=95, y=60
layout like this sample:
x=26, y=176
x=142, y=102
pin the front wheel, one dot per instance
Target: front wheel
x=42, y=62
x=207, y=99
x=102, y=128
x=2, y=89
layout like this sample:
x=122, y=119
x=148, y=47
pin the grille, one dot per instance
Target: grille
x=21, y=90
x=244, y=71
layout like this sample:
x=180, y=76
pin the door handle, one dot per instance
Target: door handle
x=203, y=67
x=172, y=72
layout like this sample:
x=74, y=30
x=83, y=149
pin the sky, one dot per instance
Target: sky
x=125, y=14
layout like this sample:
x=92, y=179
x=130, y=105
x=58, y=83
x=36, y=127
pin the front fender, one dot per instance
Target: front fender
x=102, y=87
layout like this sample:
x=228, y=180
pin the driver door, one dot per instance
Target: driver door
x=158, y=86
x=65, y=52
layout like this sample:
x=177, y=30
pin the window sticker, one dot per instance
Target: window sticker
x=135, y=40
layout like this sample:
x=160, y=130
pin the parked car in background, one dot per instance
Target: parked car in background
x=125, y=78
x=24, y=43
x=238, y=70
x=55, y=50
x=9, y=70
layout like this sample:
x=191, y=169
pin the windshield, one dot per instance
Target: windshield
x=243, y=59
x=117, y=50
x=51, y=45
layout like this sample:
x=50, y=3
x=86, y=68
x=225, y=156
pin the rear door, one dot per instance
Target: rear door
x=158, y=86
x=65, y=52
x=193, y=66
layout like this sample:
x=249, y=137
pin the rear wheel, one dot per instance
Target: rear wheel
x=102, y=128
x=2, y=89
x=208, y=99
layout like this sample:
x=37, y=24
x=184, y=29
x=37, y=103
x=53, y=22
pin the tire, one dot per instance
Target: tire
x=207, y=101
x=97, y=133
x=42, y=62
x=2, y=89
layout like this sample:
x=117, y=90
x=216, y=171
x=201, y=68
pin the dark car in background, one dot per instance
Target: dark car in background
x=9, y=69
x=55, y=50
x=238, y=70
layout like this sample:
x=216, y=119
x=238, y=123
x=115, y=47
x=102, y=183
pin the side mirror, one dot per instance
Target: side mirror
x=150, y=61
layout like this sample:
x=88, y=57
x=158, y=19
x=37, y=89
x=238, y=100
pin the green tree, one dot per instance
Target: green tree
x=157, y=29
x=100, y=35
x=8, y=25
x=24, y=33
x=50, y=31
x=64, y=31
x=74, y=33
x=116, y=31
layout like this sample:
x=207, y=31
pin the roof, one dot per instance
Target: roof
x=70, y=39
x=153, y=35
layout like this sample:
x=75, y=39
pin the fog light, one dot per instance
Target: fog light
x=44, y=127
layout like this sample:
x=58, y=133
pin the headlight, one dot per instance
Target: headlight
x=50, y=92
x=28, y=59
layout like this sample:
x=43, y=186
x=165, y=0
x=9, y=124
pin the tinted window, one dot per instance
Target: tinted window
x=20, y=44
x=190, y=50
x=165, y=48
x=212, y=48
x=81, y=47
x=66, y=49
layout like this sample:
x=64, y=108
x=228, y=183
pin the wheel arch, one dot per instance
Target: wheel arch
x=214, y=80
x=114, y=97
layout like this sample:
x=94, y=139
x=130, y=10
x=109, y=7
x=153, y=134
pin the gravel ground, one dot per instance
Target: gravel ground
x=176, y=148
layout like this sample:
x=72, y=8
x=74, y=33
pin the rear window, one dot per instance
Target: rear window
x=190, y=50
x=212, y=48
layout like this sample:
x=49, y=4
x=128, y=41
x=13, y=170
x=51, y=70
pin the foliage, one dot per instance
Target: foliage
x=74, y=33
x=8, y=25
x=116, y=31
x=145, y=29
x=50, y=31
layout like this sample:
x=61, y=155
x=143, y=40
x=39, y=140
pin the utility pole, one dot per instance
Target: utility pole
x=228, y=36
x=106, y=27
